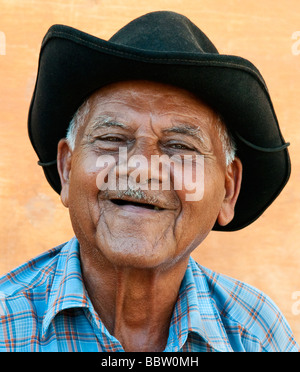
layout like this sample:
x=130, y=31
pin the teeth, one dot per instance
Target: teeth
x=156, y=208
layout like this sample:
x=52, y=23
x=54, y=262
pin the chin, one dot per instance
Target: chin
x=135, y=253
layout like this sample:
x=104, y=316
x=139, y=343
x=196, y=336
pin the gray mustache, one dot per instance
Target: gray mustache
x=137, y=194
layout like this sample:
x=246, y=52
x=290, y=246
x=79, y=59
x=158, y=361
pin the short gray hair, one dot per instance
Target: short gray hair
x=228, y=143
x=227, y=140
x=77, y=121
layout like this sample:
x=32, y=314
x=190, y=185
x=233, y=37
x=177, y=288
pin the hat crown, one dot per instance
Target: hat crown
x=164, y=31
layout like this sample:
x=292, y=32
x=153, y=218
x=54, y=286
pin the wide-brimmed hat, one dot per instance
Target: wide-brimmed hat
x=165, y=47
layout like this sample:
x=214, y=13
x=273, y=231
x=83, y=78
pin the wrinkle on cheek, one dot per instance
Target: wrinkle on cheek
x=102, y=219
x=83, y=208
x=104, y=226
x=165, y=237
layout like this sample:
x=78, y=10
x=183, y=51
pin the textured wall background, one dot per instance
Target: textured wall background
x=32, y=220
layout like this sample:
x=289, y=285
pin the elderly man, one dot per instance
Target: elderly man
x=158, y=90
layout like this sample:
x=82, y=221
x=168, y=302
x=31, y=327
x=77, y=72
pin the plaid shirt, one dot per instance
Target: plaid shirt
x=44, y=307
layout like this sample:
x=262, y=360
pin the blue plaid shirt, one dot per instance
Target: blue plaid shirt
x=44, y=306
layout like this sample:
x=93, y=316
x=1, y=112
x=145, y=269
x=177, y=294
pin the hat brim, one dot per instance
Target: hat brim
x=74, y=64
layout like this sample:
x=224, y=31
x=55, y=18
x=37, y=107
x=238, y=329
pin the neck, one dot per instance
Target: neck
x=136, y=305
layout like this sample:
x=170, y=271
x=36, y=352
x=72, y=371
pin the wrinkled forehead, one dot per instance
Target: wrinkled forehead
x=151, y=97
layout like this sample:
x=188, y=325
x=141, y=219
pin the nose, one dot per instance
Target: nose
x=143, y=165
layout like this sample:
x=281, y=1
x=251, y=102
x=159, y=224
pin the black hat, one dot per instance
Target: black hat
x=165, y=47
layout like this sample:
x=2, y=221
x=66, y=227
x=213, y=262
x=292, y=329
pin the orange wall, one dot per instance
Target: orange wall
x=32, y=220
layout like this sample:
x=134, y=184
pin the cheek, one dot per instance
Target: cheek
x=214, y=192
x=198, y=217
x=83, y=193
x=189, y=178
x=83, y=178
x=194, y=224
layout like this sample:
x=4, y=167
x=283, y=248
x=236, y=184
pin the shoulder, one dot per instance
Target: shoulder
x=29, y=275
x=23, y=297
x=249, y=314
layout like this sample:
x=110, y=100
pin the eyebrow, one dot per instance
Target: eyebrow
x=106, y=121
x=189, y=130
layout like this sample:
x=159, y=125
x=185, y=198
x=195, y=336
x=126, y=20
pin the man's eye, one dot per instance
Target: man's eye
x=180, y=146
x=110, y=139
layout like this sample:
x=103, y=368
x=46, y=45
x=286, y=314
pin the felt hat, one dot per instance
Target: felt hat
x=165, y=47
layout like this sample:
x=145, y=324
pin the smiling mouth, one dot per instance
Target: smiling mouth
x=121, y=202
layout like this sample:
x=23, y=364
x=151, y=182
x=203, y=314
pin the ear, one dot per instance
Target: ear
x=233, y=180
x=64, y=157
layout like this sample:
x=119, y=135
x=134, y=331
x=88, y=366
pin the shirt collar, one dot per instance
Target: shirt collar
x=67, y=289
x=196, y=311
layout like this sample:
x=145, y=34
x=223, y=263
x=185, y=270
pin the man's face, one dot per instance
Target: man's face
x=155, y=227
